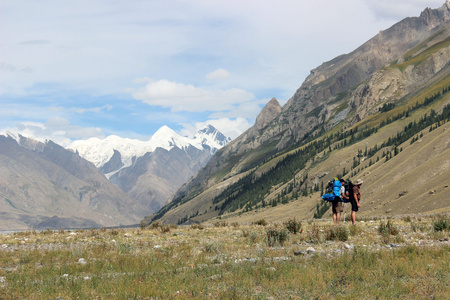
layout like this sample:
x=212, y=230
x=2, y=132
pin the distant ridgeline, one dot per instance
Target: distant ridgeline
x=248, y=193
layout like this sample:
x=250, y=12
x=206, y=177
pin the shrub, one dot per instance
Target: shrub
x=220, y=224
x=441, y=224
x=197, y=226
x=235, y=225
x=355, y=230
x=165, y=228
x=387, y=229
x=276, y=237
x=253, y=237
x=313, y=235
x=294, y=226
x=261, y=222
x=155, y=225
x=337, y=233
x=143, y=225
x=415, y=227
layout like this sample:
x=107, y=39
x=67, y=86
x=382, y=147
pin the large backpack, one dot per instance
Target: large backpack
x=337, y=188
x=348, y=191
x=333, y=190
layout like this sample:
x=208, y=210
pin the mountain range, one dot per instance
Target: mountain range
x=151, y=171
x=44, y=185
x=114, y=153
x=378, y=113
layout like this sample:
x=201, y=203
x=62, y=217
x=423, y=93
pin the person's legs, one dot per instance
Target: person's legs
x=354, y=210
x=334, y=210
x=353, y=217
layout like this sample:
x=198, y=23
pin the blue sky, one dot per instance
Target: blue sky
x=79, y=69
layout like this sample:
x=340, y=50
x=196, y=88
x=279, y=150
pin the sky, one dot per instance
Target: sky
x=78, y=69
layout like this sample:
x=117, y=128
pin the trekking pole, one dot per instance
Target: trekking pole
x=345, y=211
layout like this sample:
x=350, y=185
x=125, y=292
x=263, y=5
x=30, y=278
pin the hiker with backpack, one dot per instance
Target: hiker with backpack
x=355, y=199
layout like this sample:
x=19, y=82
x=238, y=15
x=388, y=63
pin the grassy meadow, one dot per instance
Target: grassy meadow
x=405, y=258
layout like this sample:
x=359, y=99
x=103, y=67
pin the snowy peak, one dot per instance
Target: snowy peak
x=211, y=137
x=100, y=151
x=166, y=138
x=29, y=143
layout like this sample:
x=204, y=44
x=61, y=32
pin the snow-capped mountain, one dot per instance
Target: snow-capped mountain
x=210, y=136
x=101, y=151
x=43, y=185
x=149, y=172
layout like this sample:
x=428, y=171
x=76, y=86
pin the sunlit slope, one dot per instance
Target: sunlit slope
x=415, y=180
x=357, y=116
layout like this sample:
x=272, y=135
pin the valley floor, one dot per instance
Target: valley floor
x=406, y=258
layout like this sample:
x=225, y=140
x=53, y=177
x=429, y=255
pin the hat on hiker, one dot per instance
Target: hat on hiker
x=342, y=180
x=358, y=182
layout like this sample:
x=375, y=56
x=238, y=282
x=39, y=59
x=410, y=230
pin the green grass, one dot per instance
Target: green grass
x=226, y=262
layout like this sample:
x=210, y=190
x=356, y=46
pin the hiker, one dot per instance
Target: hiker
x=344, y=196
x=336, y=204
x=355, y=200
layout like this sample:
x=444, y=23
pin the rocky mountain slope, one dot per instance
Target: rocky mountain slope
x=155, y=176
x=357, y=101
x=151, y=171
x=43, y=185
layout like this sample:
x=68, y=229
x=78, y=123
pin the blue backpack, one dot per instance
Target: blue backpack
x=328, y=197
x=337, y=188
x=333, y=190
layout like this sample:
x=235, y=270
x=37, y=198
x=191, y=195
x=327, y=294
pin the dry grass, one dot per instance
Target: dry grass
x=229, y=261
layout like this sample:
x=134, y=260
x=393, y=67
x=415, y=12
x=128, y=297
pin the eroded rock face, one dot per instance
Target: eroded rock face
x=391, y=84
x=315, y=101
x=269, y=112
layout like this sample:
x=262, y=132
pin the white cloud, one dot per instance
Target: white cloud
x=249, y=50
x=248, y=110
x=218, y=74
x=183, y=97
x=57, y=129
